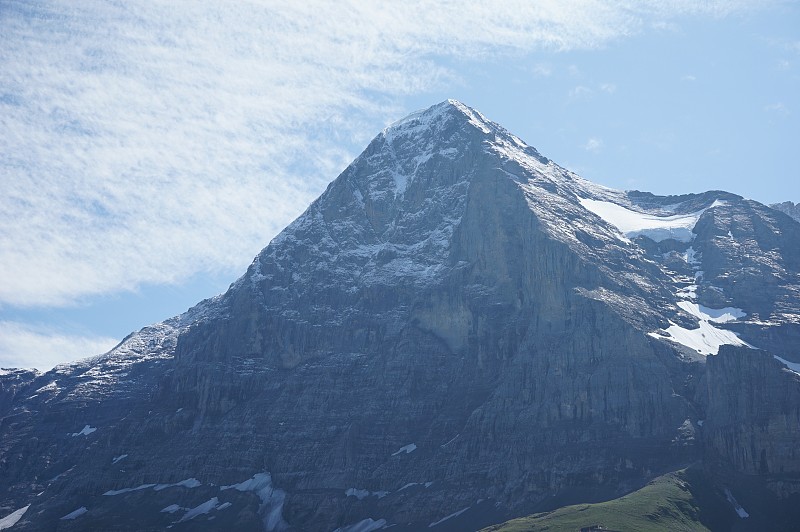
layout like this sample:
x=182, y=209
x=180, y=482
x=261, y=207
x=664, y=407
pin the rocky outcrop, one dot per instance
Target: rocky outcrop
x=792, y=209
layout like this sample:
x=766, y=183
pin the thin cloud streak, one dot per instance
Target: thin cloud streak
x=22, y=345
x=146, y=143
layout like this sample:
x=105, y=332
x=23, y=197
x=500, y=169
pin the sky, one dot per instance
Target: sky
x=149, y=150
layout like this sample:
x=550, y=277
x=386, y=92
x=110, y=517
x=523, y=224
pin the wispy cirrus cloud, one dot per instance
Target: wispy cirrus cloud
x=593, y=145
x=141, y=143
x=42, y=348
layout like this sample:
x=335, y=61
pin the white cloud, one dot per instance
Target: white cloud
x=593, y=145
x=580, y=93
x=542, y=70
x=778, y=107
x=22, y=345
x=688, y=77
x=609, y=88
x=142, y=143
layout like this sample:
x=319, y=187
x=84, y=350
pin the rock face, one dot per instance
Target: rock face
x=792, y=209
x=456, y=332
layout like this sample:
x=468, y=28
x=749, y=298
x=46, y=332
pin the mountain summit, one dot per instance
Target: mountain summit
x=456, y=332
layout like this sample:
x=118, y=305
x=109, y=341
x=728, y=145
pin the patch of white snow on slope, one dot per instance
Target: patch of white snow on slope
x=361, y=494
x=411, y=447
x=793, y=366
x=12, y=518
x=76, y=514
x=452, y=515
x=688, y=292
x=633, y=224
x=706, y=339
x=272, y=500
x=366, y=525
x=188, y=483
x=741, y=512
x=357, y=493
x=85, y=431
x=111, y=493
x=722, y=315
x=201, y=509
x=691, y=256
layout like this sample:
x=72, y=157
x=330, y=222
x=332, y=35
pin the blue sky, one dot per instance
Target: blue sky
x=149, y=150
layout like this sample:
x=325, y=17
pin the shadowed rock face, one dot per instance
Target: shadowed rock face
x=448, y=323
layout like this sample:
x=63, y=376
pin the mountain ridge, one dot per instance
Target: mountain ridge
x=455, y=319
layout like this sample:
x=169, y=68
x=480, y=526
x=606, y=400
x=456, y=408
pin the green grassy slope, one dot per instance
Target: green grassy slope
x=679, y=501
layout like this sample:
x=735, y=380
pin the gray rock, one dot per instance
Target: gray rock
x=787, y=207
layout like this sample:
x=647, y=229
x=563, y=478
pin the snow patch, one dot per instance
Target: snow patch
x=172, y=508
x=632, y=223
x=793, y=366
x=272, y=500
x=188, y=483
x=452, y=515
x=76, y=514
x=357, y=493
x=52, y=387
x=451, y=441
x=201, y=509
x=722, y=315
x=366, y=525
x=741, y=512
x=689, y=292
x=12, y=518
x=118, y=458
x=706, y=339
x=111, y=493
x=85, y=431
x=411, y=447
x=690, y=256
x=362, y=494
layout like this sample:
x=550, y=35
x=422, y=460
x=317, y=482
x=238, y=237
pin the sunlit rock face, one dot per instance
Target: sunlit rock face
x=792, y=209
x=456, y=332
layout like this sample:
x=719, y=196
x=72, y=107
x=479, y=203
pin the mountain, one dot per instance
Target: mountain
x=792, y=209
x=458, y=331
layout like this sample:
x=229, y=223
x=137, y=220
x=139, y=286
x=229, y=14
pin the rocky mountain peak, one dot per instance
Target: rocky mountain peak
x=456, y=331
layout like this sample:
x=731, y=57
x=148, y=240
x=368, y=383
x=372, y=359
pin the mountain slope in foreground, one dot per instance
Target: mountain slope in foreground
x=457, y=332
x=684, y=500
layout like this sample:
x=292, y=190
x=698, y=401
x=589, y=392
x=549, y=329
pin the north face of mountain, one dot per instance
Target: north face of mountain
x=456, y=332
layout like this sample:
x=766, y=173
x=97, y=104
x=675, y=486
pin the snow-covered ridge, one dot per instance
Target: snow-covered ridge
x=424, y=119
